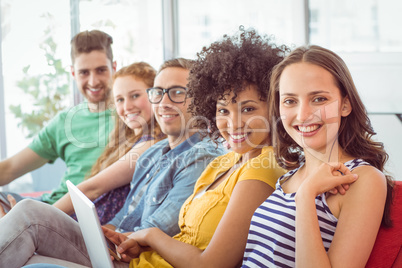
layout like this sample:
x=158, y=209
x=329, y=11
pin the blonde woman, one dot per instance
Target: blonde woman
x=135, y=131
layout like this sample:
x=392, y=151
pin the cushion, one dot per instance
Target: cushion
x=387, y=247
x=43, y=259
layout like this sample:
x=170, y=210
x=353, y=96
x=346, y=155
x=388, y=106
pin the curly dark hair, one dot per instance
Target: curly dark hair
x=229, y=65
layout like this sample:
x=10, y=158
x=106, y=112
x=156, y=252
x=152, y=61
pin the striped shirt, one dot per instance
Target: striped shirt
x=271, y=238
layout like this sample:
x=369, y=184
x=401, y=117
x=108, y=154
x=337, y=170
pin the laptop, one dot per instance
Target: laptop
x=98, y=246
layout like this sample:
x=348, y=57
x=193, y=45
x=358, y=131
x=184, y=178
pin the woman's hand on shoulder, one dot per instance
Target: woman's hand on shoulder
x=371, y=182
x=334, y=177
x=361, y=211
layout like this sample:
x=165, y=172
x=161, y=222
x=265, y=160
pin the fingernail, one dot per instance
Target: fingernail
x=355, y=176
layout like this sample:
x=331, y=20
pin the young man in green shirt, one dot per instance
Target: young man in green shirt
x=77, y=135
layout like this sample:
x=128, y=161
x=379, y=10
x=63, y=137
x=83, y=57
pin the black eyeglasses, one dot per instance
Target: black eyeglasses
x=176, y=94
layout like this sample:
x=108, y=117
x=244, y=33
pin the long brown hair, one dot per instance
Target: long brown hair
x=355, y=131
x=122, y=138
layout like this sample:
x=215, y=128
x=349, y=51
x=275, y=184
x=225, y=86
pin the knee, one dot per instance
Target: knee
x=29, y=207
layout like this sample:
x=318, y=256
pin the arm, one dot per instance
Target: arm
x=118, y=174
x=359, y=217
x=20, y=164
x=173, y=188
x=227, y=245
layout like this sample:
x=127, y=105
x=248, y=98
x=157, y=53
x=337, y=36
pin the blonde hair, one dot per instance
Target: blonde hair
x=122, y=138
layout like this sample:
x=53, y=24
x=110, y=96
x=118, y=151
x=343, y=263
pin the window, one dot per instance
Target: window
x=30, y=31
x=356, y=26
x=136, y=28
x=36, y=34
x=213, y=19
x=364, y=32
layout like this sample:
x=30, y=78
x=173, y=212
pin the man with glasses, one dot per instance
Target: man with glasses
x=165, y=174
x=176, y=94
x=163, y=179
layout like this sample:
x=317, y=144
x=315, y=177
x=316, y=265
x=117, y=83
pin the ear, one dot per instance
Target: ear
x=114, y=64
x=72, y=71
x=346, y=107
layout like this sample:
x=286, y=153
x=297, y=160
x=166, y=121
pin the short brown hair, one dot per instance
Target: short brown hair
x=87, y=41
x=178, y=63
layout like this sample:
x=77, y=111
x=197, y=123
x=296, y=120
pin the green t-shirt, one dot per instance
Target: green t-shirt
x=78, y=137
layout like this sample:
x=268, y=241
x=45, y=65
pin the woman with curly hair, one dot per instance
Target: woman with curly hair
x=229, y=86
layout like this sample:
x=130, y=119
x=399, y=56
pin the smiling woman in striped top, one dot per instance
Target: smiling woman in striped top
x=324, y=135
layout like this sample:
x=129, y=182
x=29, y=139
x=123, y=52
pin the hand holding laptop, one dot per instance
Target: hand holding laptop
x=134, y=249
x=113, y=249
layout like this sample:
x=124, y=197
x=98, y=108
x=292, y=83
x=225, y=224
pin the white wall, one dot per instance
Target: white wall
x=389, y=131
